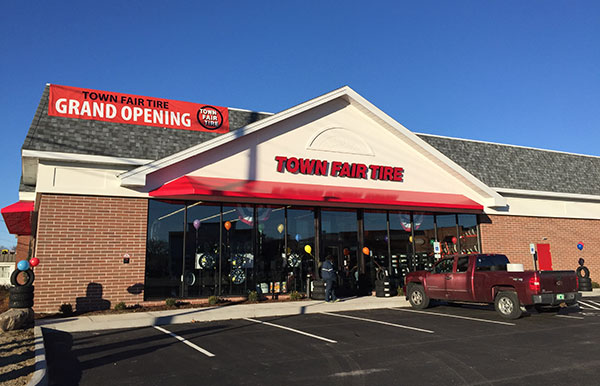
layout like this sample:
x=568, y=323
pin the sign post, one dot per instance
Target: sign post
x=533, y=255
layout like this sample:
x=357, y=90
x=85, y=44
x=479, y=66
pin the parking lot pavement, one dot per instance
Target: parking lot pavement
x=443, y=345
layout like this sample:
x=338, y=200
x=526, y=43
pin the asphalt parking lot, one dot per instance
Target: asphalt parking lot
x=443, y=345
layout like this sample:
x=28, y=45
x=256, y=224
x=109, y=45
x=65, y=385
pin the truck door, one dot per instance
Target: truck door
x=458, y=283
x=436, y=280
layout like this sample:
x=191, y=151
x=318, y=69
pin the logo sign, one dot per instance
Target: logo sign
x=209, y=117
x=106, y=106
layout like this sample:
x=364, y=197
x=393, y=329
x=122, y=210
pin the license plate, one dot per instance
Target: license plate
x=560, y=296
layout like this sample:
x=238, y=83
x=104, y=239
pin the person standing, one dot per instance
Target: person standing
x=329, y=276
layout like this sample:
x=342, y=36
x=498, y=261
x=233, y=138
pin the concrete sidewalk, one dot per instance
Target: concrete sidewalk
x=207, y=314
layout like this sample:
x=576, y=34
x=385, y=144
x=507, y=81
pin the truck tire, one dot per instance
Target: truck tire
x=507, y=305
x=21, y=290
x=417, y=297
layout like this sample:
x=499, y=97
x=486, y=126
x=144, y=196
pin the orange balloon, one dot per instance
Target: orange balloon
x=227, y=225
x=366, y=250
x=346, y=251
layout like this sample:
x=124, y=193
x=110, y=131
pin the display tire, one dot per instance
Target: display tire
x=417, y=297
x=21, y=290
x=20, y=296
x=20, y=303
x=380, y=274
x=317, y=296
x=585, y=288
x=30, y=277
x=507, y=305
x=585, y=280
x=585, y=270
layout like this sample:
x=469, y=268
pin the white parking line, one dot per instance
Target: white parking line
x=593, y=302
x=203, y=351
x=379, y=322
x=589, y=305
x=455, y=316
x=569, y=316
x=291, y=329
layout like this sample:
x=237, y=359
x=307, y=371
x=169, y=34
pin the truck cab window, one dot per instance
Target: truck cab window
x=463, y=264
x=444, y=266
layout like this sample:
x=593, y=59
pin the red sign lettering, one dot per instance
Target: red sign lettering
x=317, y=167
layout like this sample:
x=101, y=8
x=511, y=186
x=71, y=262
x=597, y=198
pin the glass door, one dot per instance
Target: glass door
x=339, y=239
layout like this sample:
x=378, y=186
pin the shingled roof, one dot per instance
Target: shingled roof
x=79, y=136
x=516, y=167
x=496, y=165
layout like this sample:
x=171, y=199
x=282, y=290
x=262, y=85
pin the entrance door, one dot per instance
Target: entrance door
x=339, y=238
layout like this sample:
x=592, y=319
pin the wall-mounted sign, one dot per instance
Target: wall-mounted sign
x=338, y=169
x=72, y=102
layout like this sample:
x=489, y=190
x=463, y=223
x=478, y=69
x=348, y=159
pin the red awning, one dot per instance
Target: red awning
x=202, y=188
x=18, y=217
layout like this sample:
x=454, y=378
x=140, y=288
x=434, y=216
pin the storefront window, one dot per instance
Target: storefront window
x=300, y=234
x=202, y=249
x=376, y=239
x=271, y=268
x=446, y=233
x=339, y=238
x=423, y=238
x=467, y=229
x=164, y=249
x=400, y=245
x=237, y=266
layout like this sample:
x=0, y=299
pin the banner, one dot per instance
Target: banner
x=81, y=103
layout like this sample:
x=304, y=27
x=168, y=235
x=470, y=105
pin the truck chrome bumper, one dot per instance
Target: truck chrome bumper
x=553, y=299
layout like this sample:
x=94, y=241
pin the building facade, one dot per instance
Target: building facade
x=151, y=199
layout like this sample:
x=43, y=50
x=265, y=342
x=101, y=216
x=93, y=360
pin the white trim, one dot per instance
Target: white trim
x=137, y=176
x=250, y=111
x=508, y=145
x=539, y=193
x=73, y=157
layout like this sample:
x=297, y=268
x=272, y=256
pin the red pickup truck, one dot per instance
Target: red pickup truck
x=482, y=278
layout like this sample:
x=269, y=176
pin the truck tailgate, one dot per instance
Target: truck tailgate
x=558, y=281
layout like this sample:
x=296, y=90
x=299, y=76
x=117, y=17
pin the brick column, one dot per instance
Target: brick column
x=81, y=242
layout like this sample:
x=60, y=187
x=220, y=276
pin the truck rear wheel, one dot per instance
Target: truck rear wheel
x=507, y=305
x=417, y=297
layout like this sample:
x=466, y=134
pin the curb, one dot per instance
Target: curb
x=40, y=375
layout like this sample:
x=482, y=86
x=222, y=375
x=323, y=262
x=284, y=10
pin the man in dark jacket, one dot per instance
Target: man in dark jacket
x=329, y=276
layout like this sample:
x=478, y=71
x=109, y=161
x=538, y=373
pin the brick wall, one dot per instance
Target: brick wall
x=81, y=241
x=22, y=250
x=511, y=235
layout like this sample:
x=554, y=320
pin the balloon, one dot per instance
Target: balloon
x=297, y=237
x=307, y=248
x=454, y=240
x=431, y=241
x=386, y=239
x=280, y=228
x=366, y=250
x=346, y=251
x=580, y=246
x=227, y=225
x=34, y=261
x=261, y=228
x=196, y=224
x=410, y=239
x=23, y=265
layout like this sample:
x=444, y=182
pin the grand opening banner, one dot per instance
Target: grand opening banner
x=81, y=103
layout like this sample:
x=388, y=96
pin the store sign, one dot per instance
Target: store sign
x=338, y=169
x=80, y=103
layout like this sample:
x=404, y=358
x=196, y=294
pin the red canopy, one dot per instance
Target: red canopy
x=198, y=188
x=18, y=217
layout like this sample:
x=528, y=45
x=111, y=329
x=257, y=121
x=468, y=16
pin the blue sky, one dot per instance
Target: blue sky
x=516, y=72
